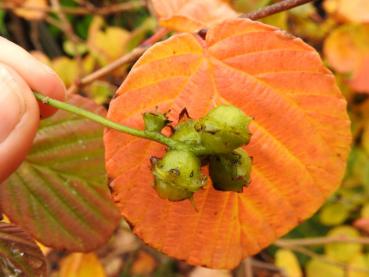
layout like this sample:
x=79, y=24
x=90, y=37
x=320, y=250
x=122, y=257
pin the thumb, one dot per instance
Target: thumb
x=19, y=117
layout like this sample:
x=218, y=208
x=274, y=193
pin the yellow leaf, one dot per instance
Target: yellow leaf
x=66, y=68
x=365, y=211
x=317, y=268
x=334, y=213
x=287, y=261
x=109, y=44
x=346, y=47
x=342, y=251
x=81, y=265
x=358, y=267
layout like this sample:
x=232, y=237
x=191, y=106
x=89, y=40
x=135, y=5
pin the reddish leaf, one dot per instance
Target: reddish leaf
x=362, y=224
x=360, y=80
x=60, y=194
x=19, y=254
x=300, y=139
x=191, y=15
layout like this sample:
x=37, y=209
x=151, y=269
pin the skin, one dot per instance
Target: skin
x=20, y=74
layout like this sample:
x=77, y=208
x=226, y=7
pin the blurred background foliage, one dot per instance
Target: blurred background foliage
x=78, y=37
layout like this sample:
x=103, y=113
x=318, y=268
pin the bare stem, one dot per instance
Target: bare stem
x=284, y=5
x=321, y=241
x=275, y=8
x=104, y=10
x=130, y=57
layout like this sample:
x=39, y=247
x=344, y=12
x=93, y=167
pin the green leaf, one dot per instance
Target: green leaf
x=74, y=49
x=3, y=29
x=19, y=254
x=60, y=194
x=100, y=91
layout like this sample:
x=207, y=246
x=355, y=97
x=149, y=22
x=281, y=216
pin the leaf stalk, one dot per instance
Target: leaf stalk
x=154, y=136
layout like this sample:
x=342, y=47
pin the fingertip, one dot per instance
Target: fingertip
x=54, y=89
x=51, y=86
x=37, y=75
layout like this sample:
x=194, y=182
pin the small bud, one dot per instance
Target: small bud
x=185, y=132
x=177, y=175
x=230, y=172
x=224, y=129
x=155, y=122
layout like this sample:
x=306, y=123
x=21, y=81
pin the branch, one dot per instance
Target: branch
x=130, y=57
x=275, y=8
x=321, y=241
x=247, y=263
x=105, y=10
x=284, y=5
x=69, y=32
x=267, y=266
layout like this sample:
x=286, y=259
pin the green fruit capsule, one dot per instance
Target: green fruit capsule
x=224, y=129
x=177, y=175
x=155, y=122
x=230, y=172
x=185, y=132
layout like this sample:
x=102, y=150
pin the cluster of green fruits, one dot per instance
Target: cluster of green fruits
x=221, y=132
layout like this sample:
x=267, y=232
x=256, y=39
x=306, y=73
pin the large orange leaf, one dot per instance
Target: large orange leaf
x=191, y=15
x=300, y=139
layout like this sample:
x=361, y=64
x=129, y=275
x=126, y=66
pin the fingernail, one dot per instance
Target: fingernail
x=12, y=106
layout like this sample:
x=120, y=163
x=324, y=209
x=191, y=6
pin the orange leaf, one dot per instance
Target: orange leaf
x=191, y=15
x=81, y=265
x=300, y=139
x=346, y=47
x=349, y=10
x=143, y=265
x=360, y=80
x=32, y=9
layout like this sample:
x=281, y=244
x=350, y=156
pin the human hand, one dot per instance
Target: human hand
x=20, y=74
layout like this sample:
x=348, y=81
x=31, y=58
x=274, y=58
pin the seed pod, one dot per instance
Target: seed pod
x=185, y=132
x=230, y=172
x=155, y=122
x=224, y=129
x=177, y=175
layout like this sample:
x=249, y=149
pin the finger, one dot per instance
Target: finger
x=19, y=117
x=38, y=76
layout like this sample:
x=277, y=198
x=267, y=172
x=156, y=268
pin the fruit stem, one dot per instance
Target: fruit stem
x=155, y=136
